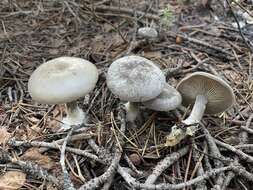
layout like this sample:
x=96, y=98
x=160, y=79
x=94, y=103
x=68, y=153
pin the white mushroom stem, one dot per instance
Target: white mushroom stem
x=197, y=111
x=132, y=110
x=177, y=134
x=75, y=116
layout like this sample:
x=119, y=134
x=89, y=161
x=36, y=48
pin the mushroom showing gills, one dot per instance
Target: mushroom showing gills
x=168, y=100
x=64, y=80
x=135, y=79
x=209, y=94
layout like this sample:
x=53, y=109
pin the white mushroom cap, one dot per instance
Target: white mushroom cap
x=147, y=32
x=168, y=100
x=62, y=80
x=135, y=79
x=219, y=94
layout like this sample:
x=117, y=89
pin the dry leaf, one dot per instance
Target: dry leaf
x=12, y=180
x=35, y=156
x=4, y=135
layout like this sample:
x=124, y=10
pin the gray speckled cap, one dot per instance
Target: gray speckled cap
x=135, y=79
x=168, y=100
x=147, y=32
x=62, y=80
x=219, y=94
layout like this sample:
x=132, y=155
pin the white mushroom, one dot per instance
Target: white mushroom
x=64, y=80
x=208, y=93
x=135, y=79
x=147, y=33
x=168, y=100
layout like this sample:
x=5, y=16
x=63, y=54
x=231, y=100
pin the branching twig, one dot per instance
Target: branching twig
x=228, y=56
x=98, y=181
x=165, y=163
x=200, y=171
x=240, y=153
x=68, y=185
x=239, y=28
x=163, y=186
x=30, y=168
x=214, y=151
x=84, y=153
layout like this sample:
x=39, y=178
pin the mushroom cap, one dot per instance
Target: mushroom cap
x=147, y=32
x=135, y=79
x=168, y=100
x=62, y=80
x=219, y=94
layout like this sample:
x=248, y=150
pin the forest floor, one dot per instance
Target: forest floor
x=109, y=153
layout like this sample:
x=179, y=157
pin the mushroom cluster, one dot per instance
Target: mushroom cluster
x=133, y=79
x=138, y=80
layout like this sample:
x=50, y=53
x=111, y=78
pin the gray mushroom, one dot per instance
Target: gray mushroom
x=148, y=33
x=64, y=80
x=135, y=79
x=208, y=94
x=168, y=100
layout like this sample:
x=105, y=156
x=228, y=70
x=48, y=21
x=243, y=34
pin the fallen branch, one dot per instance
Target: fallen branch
x=165, y=163
x=76, y=137
x=215, y=152
x=98, y=181
x=246, y=41
x=240, y=153
x=224, y=53
x=163, y=186
x=30, y=168
x=243, y=137
x=197, y=158
x=68, y=185
x=84, y=153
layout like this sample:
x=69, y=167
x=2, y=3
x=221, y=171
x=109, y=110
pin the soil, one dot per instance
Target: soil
x=193, y=36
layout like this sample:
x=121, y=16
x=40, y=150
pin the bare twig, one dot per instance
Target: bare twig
x=214, y=151
x=68, y=185
x=84, y=153
x=165, y=163
x=163, y=186
x=96, y=182
x=221, y=50
x=198, y=166
x=30, y=168
x=247, y=42
x=240, y=153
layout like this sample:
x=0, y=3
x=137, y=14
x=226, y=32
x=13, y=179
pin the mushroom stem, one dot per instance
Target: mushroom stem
x=75, y=116
x=132, y=110
x=197, y=111
x=71, y=107
x=177, y=134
